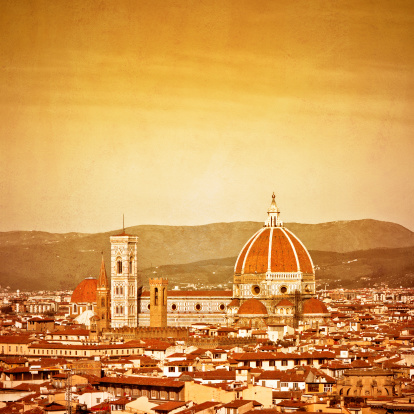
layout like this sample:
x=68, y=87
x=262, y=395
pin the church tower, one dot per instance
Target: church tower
x=126, y=285
x=103, y=299
x=158, y=302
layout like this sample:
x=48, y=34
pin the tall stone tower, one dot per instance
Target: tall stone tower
x=126, y=284
x=158, y=302
x=103, y=300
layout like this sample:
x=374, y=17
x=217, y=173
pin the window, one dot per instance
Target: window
x=197, y=307
x=154, y=394
x=171, y=369
x=98, y=400
x=156, y=296
x=255, y=290
x=119, y=266
x=284, y=384
x=103, y=302
x=222, y=307
x=284, y=363
x=174, y=307
x=130, y=264
x=313, y=387
x=327, y=387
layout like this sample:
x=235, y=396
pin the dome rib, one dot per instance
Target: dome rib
x=238, y=268
x=304, y=257
x=294, y=251
x=269, y=254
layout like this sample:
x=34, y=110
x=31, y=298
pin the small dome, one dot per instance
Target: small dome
x=235, y=303
x=285, y=303
x=314, y=306
x=252, y=307
x=85, y=292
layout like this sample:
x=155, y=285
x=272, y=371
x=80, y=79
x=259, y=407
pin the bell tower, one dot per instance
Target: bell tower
x=126, y=284
x=158, y=302
x=103, y=300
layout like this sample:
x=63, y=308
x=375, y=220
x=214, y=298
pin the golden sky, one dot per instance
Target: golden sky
x=191, y=112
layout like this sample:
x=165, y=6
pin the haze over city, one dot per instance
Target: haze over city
x=193, y=112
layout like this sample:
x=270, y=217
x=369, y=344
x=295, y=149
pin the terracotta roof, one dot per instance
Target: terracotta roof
x=313, y=305
x=155, y=382
x=287, y=253
x=252, y=307
x=85, y=292
x=169, y=406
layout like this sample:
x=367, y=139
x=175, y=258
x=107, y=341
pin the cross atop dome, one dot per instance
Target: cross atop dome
x=273, y=214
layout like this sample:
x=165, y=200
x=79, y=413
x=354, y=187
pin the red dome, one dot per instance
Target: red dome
x=85, y=292
x=314, y=306
x=252, y=307
x=274, y=249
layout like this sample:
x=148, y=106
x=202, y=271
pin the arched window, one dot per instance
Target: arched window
x=165, y=296
x=117, y=310
x=117, y=290
x=130, y=264
x=75, y=308
x=103, y=302
x=119, y=265
x=156, y=296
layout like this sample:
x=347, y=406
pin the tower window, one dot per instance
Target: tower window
x=119, y=266
x=222, y=307
x=156, y=296
x=174, y=307
x=283, y=289
x=130, y=264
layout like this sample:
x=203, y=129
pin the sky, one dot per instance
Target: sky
x=193, y=112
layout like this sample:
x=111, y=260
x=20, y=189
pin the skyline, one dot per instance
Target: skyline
x=190, y=113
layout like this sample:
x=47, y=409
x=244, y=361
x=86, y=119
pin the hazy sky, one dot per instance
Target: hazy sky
x=193, y=112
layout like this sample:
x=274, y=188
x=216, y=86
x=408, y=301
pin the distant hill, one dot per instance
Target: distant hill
x=40, y=260
x=363, y=268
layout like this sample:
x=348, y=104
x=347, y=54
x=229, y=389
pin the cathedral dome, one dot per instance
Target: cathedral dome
x=85, y=292
x=312, y=306
x=273, y=249
x=252, y=307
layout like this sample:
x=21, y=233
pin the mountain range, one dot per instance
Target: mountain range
x=365, y=252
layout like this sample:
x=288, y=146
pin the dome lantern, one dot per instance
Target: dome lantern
x=273, y=219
